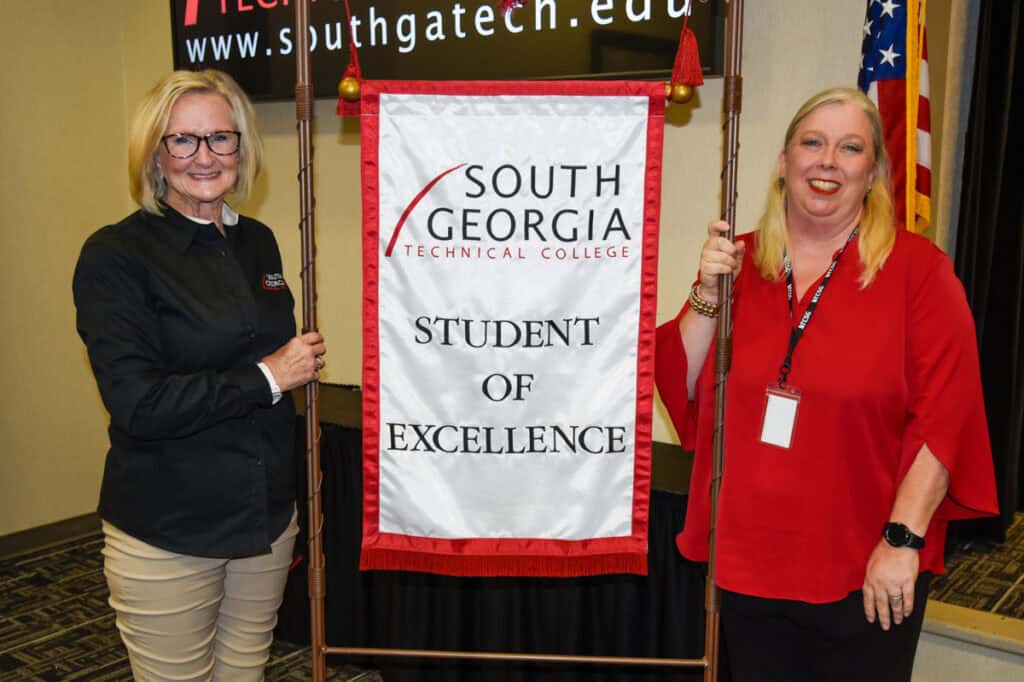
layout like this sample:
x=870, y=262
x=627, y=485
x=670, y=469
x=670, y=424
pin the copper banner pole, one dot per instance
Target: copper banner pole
x=303, y=126
x=732, y=96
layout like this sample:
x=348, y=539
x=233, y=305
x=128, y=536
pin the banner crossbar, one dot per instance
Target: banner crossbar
x=516, y=656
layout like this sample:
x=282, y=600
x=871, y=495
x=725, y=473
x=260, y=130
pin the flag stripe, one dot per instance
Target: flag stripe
x=924, y=149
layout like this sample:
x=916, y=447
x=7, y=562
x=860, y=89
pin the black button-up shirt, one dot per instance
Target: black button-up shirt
x=175, y=318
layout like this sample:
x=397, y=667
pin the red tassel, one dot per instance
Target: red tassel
x=509, y=5
x=352, y=72
x=687, y=69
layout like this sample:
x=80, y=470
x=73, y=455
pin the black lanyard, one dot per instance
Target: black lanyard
x=797, y=332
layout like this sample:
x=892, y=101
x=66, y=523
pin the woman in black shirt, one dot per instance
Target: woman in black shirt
x=190, y=331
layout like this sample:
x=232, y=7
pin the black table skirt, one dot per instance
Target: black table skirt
x=660, y=615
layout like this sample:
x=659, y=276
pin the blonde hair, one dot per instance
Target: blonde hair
x=877, y=231
x=145, y=180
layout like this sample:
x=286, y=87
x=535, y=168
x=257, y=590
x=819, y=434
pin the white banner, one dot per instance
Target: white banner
x=509, y=241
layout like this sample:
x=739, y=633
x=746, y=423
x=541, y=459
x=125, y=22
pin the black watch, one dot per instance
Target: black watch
x=898, y=535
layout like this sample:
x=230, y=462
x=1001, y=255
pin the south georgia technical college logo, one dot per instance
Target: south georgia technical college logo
x=554, y=212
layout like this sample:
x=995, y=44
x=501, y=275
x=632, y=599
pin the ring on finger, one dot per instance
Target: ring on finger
x=895, y=598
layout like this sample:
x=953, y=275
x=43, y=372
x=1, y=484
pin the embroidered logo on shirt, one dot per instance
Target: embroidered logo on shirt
x=274, y=281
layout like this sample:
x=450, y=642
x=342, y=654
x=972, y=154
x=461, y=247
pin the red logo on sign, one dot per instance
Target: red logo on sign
x=191, y=12
x=412, y=205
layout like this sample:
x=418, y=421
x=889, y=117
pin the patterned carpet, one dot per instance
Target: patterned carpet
x=55, y=623
x=990, y=581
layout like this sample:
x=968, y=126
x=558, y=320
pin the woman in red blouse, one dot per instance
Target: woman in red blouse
x=855, y=428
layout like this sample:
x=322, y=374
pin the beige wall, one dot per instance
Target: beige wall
x=62, y=136
x=70, y=80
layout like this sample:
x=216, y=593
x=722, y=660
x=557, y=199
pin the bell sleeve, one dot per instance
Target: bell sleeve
x=670, y=367
x=947, y=409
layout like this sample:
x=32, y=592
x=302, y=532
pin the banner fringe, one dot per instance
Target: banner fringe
x=497, y=566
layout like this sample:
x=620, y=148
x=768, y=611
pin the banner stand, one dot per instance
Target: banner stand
x=319, y=649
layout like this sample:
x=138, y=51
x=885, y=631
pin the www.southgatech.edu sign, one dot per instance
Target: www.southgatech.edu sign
x=510, y=251
x=254, y=40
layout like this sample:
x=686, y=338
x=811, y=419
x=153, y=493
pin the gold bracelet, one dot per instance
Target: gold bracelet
x=703, y=306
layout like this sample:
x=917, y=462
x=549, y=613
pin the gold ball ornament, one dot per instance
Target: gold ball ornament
x=681, y=93
x=348, y=89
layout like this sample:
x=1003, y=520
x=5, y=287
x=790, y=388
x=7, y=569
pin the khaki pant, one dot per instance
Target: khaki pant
x=195, y=618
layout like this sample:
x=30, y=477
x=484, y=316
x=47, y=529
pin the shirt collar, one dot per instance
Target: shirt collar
x=228, y=216
x=181, y=230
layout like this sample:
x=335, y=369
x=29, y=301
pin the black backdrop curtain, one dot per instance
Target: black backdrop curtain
x=990, y=244
x=661, y=615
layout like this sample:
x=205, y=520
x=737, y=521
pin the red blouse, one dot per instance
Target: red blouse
x=882, y=370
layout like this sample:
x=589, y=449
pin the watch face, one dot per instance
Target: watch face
x=897, y=534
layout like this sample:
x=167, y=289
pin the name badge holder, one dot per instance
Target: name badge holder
x=780, y=408
x=782, y=401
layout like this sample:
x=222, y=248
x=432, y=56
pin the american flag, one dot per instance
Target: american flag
x=894, y=74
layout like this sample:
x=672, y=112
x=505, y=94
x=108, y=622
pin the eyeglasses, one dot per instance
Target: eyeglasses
x=185, y=145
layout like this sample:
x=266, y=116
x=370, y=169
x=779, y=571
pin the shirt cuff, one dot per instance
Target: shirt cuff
x=275, y=390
